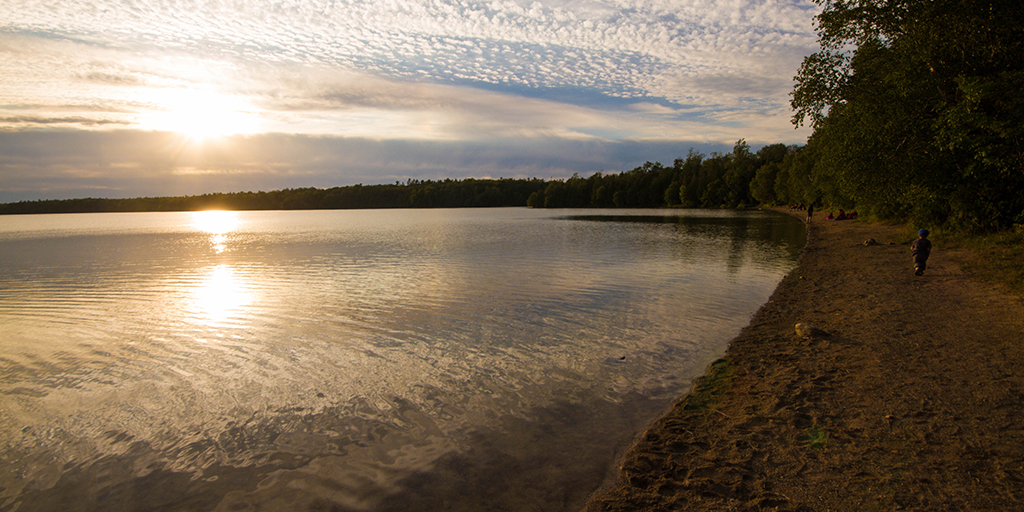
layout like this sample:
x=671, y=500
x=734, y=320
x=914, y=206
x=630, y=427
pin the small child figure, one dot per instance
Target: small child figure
x=920, y=249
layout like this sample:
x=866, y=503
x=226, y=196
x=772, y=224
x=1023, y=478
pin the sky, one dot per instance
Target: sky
x=131, y=98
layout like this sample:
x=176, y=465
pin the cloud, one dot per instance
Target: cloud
x=84, y=121
x=382, y=89
x=309, y=99
x=128, y=163
x=614, y=49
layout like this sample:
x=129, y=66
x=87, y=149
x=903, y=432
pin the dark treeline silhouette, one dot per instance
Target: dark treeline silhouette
x=412, y=194
x=773, y=175
x=697, y=181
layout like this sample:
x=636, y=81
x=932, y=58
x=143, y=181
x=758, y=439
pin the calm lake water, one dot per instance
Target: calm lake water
x=479, y=359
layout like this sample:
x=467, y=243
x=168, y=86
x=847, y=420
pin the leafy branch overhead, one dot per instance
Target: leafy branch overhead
x=917, y=111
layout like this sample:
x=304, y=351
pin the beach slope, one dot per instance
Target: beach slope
x=907, y=393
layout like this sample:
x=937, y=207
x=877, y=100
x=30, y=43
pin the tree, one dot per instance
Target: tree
x=762, y=188
x=689, y=177
x=913, y=108
x=672, y=194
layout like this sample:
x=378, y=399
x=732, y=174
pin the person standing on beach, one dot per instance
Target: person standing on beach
x=920, y=249
x=810, y=211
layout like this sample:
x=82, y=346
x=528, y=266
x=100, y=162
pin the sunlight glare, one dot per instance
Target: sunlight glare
x=215, y=222
x=199, y=115
x=218, y=223
x=221, y=296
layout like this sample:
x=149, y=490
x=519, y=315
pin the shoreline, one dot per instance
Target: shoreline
x=910, y=399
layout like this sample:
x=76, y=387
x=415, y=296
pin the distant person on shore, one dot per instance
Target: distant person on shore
x=810, y=212
x=920, y=249
x=842, y=215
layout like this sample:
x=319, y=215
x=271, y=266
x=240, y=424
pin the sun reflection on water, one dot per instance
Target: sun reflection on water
x=221, y=296
x=218, y=223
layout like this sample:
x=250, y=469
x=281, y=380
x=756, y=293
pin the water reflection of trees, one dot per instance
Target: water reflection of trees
x=735, y=228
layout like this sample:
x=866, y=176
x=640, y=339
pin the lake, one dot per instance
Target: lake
x=469, y=359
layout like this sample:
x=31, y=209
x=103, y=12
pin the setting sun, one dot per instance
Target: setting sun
x=200, y=115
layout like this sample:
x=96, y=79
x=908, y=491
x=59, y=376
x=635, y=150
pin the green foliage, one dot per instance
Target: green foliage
x=817, y=438
x=762, y=188
x=762, y=185
x=718, y=181
x=993, y=257
x=672, y=194
x=708, y=390
x=917, y=111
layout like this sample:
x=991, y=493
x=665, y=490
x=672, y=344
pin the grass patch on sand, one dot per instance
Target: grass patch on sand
x=994, y=257
x=816, y=438
x=708, y=389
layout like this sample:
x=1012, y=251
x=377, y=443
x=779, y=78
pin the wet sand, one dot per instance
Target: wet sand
x=911, y=397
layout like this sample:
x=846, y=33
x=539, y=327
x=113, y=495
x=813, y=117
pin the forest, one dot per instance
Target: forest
x=715, y=181
x=411, y=194
x=916, y=112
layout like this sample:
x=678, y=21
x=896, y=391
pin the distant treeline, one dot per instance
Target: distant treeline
x=775, y=174
x=731, y=180
x=412, y=194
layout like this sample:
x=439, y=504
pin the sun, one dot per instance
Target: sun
x=199, y=114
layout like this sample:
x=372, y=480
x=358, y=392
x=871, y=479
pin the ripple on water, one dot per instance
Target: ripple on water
x=370, y=359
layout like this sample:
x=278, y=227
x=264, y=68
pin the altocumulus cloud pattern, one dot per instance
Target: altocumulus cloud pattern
x=474, y=76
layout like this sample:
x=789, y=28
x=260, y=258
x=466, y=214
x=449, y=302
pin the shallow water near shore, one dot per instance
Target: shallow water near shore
x=471, y=359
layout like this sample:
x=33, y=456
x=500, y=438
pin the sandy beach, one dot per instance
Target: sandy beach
x=908, y=395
